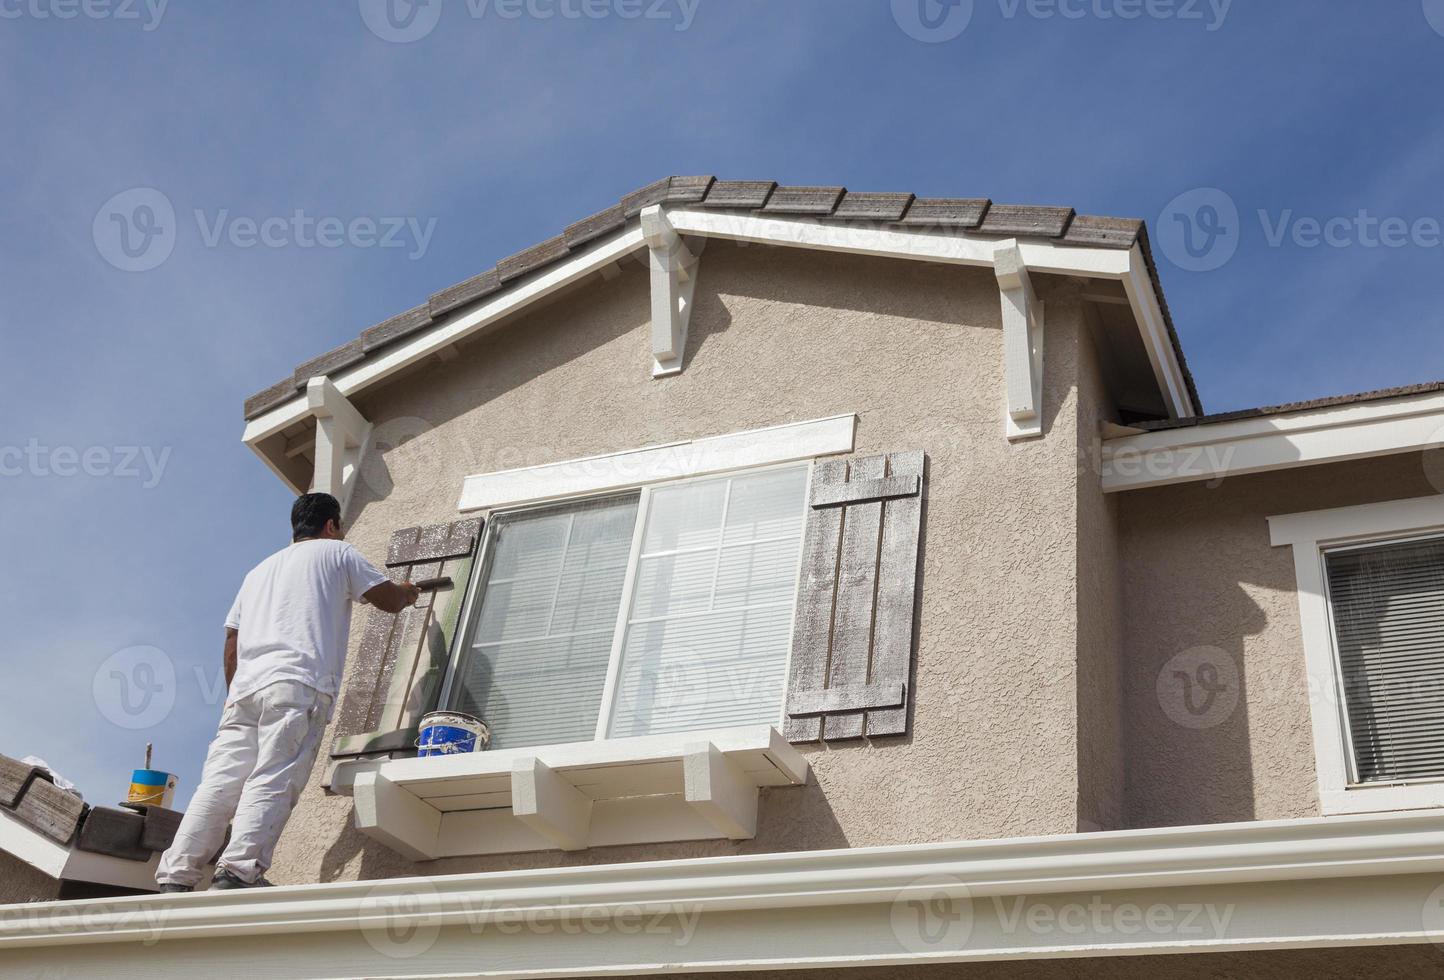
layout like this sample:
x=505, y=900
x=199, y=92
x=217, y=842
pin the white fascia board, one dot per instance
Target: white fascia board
x=1218, y=450
x=453, y=328
x=31, y=846
x=787, y=443
x=1148, y=313
x=1336, y=882
x=61, y=861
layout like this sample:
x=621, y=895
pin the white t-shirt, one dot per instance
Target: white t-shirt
x=293, y=615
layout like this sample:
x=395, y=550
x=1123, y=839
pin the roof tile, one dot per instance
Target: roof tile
x=872, y=206
x=653, y=193
x=689, y=190
x=946, y=212
x=1088, y=229
x=330, y=362
x=599, y=224
x=1023, y=219
x=263, y=401
x=740, y=193
x=473, y=289
x=531, y=259
x=804, y=200
x=401, y=325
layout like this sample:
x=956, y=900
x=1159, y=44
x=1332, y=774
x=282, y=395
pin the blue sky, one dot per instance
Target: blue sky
x=500, y=126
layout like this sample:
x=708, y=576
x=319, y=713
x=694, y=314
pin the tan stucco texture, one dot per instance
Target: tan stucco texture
x=782, y=335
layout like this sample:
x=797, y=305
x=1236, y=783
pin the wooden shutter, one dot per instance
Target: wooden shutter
x=852, y=645
x=398, y=668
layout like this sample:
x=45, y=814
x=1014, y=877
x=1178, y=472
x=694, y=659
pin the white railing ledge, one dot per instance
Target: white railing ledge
x=653, y=789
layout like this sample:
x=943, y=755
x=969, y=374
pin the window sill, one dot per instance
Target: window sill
x=691, y=786
x=1385, y=798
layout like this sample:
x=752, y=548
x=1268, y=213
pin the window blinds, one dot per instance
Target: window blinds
x=1388, y=611
x=542, y=639
x=710, y=624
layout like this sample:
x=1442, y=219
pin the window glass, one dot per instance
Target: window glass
x=1388, y=612
x=709, y=629
x=538, y=656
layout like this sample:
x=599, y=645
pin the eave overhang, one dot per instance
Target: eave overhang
x=266, y=434
x=1318, y=883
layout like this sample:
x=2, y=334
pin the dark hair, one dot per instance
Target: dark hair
x=310, y=513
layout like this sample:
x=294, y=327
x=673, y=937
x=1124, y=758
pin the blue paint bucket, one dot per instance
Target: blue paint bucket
x=451, y=733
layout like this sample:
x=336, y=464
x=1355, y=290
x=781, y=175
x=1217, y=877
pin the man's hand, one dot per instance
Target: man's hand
x=393, y=597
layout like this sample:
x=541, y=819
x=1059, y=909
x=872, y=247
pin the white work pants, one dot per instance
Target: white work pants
x=254, y=774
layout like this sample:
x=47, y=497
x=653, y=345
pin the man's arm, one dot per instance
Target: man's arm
x=228, y=656
x=393, y=597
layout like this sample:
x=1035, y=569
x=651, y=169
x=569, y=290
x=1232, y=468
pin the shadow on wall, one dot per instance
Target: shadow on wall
x=1217, y=698
x=789, y=819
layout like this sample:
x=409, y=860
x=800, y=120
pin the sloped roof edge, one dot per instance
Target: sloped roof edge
x=974, y=215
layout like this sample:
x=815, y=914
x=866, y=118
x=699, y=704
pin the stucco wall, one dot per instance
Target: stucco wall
x=19, y=882
x=780, y=335
x=1100, y=683
x=1204, y=589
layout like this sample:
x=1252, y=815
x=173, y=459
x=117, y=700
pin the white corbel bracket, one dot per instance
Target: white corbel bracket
x=1022, y=342
x=341, y=436
x=674, y=279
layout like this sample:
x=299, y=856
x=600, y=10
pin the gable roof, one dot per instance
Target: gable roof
x=979, y=216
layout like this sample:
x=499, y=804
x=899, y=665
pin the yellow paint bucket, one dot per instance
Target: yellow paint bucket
x=151, y=787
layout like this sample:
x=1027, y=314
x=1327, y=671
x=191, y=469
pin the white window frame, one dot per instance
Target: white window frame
x=1311, y=534
x=619, y=634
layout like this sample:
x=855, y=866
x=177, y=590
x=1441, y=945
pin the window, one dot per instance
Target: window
x=1371, y=607
x=1387, y=604
x=665, y=609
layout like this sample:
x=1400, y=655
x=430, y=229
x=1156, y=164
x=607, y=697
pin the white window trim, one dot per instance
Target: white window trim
x=608, y=702
x=633, y=468
x=1310, y=534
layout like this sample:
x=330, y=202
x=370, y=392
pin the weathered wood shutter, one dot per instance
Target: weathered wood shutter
x=397, y=672
x=852, y=647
